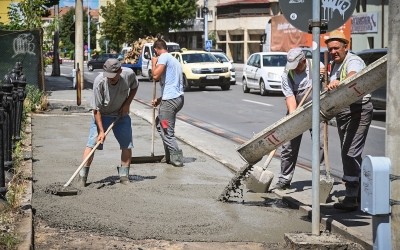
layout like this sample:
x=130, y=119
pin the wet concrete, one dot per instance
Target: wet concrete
x=161, y=202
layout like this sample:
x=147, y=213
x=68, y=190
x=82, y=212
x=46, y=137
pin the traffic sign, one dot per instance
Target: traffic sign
x=208, y=44
x=299, y=12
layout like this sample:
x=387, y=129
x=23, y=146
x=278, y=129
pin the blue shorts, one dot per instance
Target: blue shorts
x=122, y=131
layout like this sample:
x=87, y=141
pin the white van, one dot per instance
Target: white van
x=148, y=52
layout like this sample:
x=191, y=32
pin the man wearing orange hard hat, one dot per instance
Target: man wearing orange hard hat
x=353, y=121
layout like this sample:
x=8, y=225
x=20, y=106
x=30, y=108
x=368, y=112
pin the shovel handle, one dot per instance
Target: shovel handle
x=90, y=154
x=272, y=153
x=153, y=120
x=327, y=166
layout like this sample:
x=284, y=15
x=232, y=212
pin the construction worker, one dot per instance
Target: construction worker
x=169, y=71
x=296, y=80
x=352, y=121
x=113, y=92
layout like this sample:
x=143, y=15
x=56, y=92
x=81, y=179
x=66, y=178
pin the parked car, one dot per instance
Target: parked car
x=50, y=54
x=221, y=56
x=378, y=97
x=201, y=69
x=98, y=62
x=263, y=71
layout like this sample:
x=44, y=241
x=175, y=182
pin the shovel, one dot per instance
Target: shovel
x=152, y=158
x=260, y=179
x=325, y=181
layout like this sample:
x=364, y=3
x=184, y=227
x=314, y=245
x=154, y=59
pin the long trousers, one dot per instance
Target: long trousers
x=290, y=149
x=353, y=124
x=165, y=121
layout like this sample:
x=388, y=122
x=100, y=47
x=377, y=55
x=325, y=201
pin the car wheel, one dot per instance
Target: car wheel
x=263, y=91
x=186, y=86
x=245, y=88
x=226, y=86
x=90, y=67
x=150, y=76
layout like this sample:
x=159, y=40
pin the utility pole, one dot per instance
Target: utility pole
x=392, y=120
x=88, y=29
x=205, y=13
x=79, y=38
x=56, y=40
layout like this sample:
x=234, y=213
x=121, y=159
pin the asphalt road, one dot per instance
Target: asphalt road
x=237, y=116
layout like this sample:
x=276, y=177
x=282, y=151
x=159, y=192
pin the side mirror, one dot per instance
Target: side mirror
x=146, y=55
x=231, y=61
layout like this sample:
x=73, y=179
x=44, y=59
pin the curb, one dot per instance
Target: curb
x=25, y=225
x=328, y=223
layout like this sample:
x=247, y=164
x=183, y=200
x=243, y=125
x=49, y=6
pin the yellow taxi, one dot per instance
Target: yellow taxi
x=202, y=69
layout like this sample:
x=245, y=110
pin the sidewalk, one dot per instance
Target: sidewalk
x=355, y=226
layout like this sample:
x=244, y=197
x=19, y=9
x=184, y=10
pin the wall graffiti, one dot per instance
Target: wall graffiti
x=23, y=44
x=330, y=6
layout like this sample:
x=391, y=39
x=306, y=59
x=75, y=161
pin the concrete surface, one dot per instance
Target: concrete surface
x=355, y=226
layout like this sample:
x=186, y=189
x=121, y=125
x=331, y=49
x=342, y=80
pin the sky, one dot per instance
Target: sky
x=92, y=3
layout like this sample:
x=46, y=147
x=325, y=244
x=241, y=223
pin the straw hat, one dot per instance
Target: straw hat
x=337, y=35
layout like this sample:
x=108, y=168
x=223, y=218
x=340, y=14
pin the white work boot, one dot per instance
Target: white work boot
x=123, y=175
x=82, y=178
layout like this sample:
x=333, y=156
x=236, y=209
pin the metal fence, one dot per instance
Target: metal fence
x=23, y=46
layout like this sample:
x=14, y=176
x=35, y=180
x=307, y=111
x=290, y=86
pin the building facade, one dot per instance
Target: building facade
x=370, y=25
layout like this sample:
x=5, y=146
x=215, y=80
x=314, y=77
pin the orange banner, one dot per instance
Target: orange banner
x=285, y=37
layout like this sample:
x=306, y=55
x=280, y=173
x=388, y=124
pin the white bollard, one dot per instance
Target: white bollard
x=73, y=78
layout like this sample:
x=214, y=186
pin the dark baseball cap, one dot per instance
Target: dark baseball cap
x=111, y=67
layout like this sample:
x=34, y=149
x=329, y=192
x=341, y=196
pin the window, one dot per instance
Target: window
x=199, y=14
x=371, y=42
x=210, y=15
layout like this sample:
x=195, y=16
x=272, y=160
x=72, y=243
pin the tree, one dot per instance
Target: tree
x=159, y=16
x=28, y=13
x=114, y=25
x=65, y=30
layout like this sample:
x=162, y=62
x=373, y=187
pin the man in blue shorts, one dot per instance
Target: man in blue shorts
x=113, y=92
x=168, y=71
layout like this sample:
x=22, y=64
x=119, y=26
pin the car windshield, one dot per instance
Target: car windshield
x=221, y=57
x=172, y=48
x=274, y=60
x=198, y=58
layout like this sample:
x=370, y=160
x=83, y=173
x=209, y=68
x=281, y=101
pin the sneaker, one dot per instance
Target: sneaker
x=282, y=186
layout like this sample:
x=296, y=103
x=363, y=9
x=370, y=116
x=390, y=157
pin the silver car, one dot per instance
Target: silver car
x=221, y=56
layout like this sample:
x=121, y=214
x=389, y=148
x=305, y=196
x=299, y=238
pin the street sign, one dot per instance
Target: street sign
x=299, y=12
x=208, y=44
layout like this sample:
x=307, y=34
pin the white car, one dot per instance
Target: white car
x=221, y=56
x=263, y=71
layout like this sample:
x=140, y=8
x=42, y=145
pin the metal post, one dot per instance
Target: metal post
x=392, y=117
x=79, y=38
x=205, y=21
x=20, y=104
x=3, y=188
x=88, y=29
x=14, y=92
x=316, y=30
x=7, y=106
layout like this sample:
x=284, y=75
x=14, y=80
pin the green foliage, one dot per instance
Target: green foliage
x=65, y=25
x=33, y=98
x=27, y=14
x=9, y=240
x=112, y=28
x=159, y=16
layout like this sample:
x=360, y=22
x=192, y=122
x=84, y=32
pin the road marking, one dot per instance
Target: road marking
x=261, y=103
x=377, y=127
